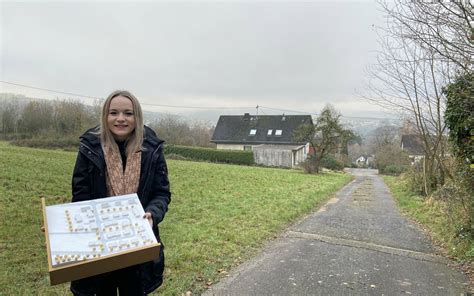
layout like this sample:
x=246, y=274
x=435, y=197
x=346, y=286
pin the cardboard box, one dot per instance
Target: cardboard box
x=97, y=236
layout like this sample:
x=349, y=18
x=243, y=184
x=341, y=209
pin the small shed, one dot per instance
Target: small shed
x=288, y=156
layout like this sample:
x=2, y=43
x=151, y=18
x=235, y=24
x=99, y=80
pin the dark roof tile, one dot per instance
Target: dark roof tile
x=412, y=144
x=235, y=129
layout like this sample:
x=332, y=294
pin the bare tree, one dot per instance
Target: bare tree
x=386, y=142
x=10, y=111
x=96, y=109
x=36, y=118
x=325, y=136
x=179, y=132
x=443, y=27
x=385, y=135
x=423, y=46
x=71, y=117
x=202, y=133
x=172, y=130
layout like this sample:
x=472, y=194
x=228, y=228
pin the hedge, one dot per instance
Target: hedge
x=48, y=143
x=212, y=155
x=330, y=162
x=192, y=153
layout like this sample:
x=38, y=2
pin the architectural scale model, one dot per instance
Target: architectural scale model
x=96, y=236
x=97, y=228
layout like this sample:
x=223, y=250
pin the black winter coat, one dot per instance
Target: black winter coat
x=88, y=182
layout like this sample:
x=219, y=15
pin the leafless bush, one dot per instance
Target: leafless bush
x=310, y=165
x=177, y=131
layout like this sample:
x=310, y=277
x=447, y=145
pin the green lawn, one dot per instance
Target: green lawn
x=220, y=215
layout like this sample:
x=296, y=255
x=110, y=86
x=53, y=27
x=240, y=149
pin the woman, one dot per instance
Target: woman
x=118, y=157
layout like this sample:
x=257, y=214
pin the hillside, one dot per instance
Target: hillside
x=366, y=126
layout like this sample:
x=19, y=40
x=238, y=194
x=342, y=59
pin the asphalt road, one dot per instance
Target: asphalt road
x=357, y=244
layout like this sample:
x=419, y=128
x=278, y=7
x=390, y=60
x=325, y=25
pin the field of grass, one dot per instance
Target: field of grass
x=439, y=217
x=220, y=215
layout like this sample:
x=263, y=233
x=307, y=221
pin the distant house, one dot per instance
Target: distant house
x=360, y=162
x=365, y=161
x=270, y=137
x=413, y=145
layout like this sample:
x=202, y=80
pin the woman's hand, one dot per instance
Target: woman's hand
x=149, y=218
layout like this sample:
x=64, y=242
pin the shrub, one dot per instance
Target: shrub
x=309, y=165
x=212, y=155
x=175, y=157
x=394, y=170
x=446, y=217
x=390, y=154
x=330, y=162
x=459, y=116
x=413, y=178
x=470, y=253
x=458, y=195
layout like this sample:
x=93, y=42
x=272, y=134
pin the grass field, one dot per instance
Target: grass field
x=220, y=215
x=439, y=217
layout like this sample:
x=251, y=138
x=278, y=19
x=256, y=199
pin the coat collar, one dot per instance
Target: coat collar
x=151, y=138
x=91, y=136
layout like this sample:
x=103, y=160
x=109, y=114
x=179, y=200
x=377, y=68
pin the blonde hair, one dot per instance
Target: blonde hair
x=135, y=141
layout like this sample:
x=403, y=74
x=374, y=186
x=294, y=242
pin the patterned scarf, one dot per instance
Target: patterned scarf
x=121, y=182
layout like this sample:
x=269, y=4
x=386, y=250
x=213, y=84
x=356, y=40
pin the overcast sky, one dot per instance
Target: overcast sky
x=284, y=55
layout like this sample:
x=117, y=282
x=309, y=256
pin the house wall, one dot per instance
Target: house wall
x=415, y=158
x=280, y=156
x=230, y=147
x=361, y=162
x=299, y=156
x=284, y=157
x=274, y=157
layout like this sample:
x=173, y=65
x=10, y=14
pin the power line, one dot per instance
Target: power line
x=183, y=107
x=145, y=104
x=192, y=107
x=316, y=114
x=51, y=90
x=286, y=110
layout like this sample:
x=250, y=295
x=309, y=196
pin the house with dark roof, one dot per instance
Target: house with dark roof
x=413, y=145
x=365, y=161
x=270, y=137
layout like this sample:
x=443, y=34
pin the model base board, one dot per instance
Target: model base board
x=97, y=230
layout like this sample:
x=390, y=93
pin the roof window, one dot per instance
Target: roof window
x=252, y=132
x=278, y=132
x=269, y=133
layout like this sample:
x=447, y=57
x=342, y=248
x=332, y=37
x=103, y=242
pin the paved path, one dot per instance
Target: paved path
x=358, y=244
